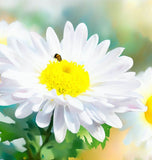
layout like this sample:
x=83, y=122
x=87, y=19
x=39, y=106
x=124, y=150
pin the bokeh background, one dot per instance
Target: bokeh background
x=127, y=23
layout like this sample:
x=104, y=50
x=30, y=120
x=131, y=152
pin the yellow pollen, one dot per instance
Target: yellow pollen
x=3, y=40
x=148, y=113
x=68, y=78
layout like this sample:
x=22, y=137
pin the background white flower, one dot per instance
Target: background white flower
x=14, y=29
x=140, y=123
x=96, y=83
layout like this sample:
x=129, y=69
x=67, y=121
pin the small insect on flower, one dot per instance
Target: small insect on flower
x=58, y=57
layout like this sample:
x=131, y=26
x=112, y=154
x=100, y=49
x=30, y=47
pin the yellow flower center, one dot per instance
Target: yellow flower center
x=3, y=40
x=68, y=78
x=148, y=113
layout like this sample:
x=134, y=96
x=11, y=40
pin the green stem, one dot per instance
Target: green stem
x=48, y=134
x=29, y=152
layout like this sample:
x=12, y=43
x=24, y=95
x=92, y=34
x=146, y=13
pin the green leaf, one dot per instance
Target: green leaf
x=9, y=111
x=9, y=132
x=90, y=141
x=22, y=128
x=14, y=130
x=70, y=147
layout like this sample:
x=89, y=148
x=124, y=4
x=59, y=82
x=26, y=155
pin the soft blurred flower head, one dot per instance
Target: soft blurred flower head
x=140, y=123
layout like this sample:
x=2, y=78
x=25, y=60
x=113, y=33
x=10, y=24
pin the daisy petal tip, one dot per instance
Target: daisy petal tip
x=96, y=36
x=35, y=109
x=107, y=42
x=148, y=70
x=68, y=24
x=41, y=125
x=59, y=139
x=49, y=31
x=100, y=136
x=121, y=49
x=34, y=34
x=74, y=129
x=40, y=122
x=128, y=61
x=118, y=124
x=82, y=26
x=19, y=115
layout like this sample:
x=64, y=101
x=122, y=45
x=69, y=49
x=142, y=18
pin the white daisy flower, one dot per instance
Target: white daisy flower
x=76, y=80
x=140, y=123
x=15, y=29
x=12, y=30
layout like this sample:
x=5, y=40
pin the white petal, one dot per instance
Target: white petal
x=43, y=119
x=30, y=59
x=67, y=40
x=59, y=124
x=99, y=52
x=89, y=47
x=86, y=98
x=24, y=110
x=48, y=107
x=117, y=51
x=123, y=64
x=118, y=85
x=73, y=102
x=53, y=41
x=84, y=117
x=71, y=120
x=113, y=120
x=18, y=31
x=22, y=94
x=80, y=37
x=10, y=55
x=37, y=103
x=6, y=100
x=96, y=131
x=23, y=78
x=129, y=105
x=39, y=43
x=110, y=58
x=102, y=48
x=94, y=113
